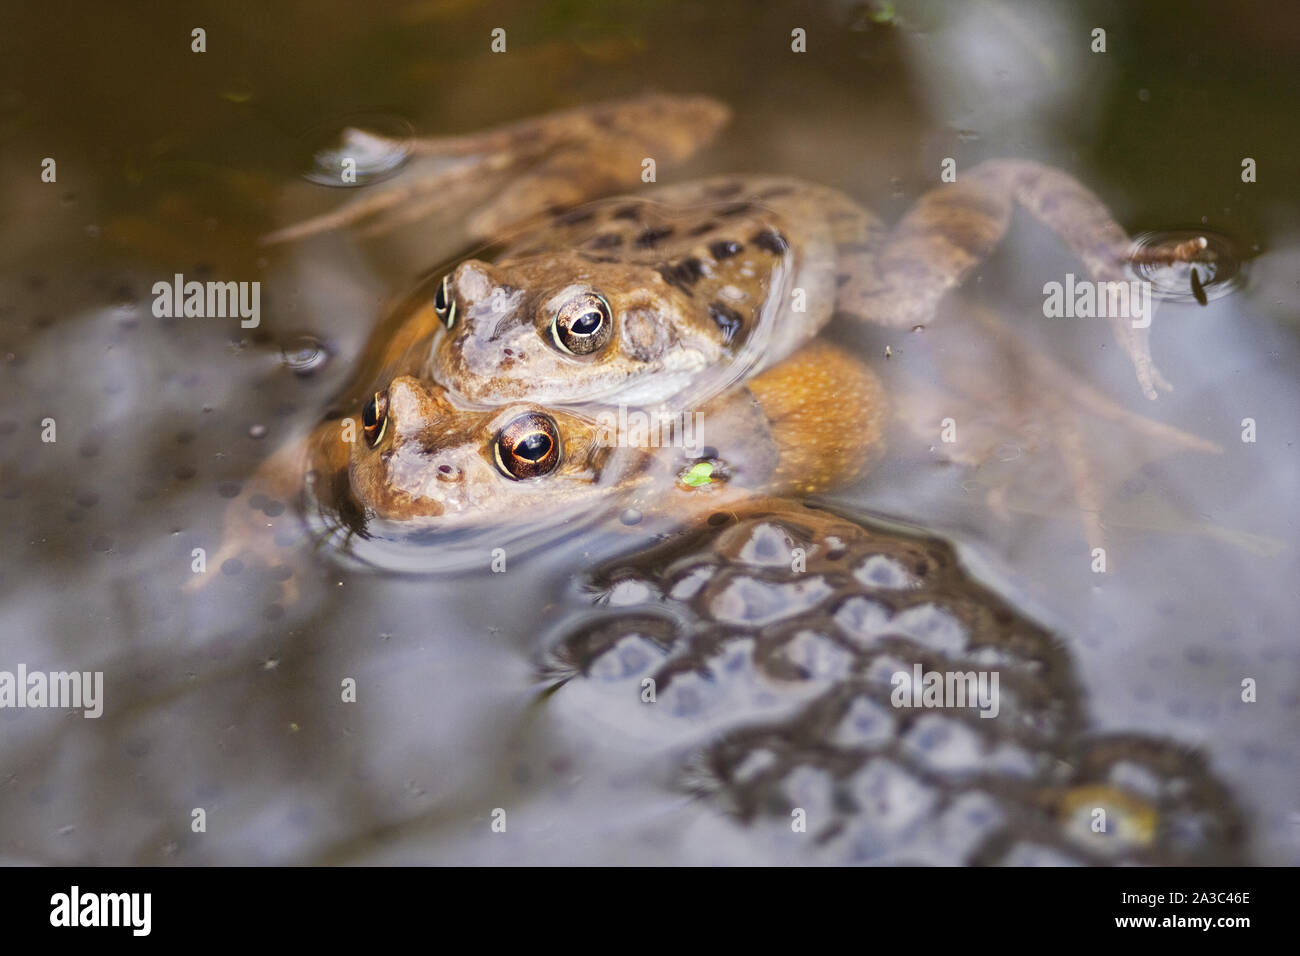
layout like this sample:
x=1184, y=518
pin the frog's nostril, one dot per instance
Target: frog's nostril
x=448, y=473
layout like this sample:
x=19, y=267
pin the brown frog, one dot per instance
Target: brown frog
x=634, y=298
x=483, y=403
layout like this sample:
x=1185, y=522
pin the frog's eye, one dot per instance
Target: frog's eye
x=444, y=303
x=374, y=418
x=528, y=447
x=582, y=325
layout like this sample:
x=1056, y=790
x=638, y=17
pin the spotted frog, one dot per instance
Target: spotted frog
x=484, y=403
x=638, y=298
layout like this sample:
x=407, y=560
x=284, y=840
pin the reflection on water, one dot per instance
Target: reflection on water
x=229, y=699
x=1212, y=269
x=369, y=150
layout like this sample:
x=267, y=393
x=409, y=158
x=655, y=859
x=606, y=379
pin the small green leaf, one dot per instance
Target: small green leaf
x=885, y=14
x=700, y=473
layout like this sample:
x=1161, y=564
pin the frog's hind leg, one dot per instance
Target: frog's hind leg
x=261, y=524
x=514, y=172
x=1010, y=403
x=896, y=278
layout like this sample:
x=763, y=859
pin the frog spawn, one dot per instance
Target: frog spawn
x=776, y=685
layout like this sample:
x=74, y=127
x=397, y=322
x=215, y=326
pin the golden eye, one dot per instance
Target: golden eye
x=528, y=447
x=444, y=303
x=374, y=418
x=582, y=325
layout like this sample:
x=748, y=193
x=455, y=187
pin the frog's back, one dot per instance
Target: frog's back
x=732, y=274
x=744, y=243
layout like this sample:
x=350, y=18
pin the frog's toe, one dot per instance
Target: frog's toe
x=1160, y=382
x=1136, y=344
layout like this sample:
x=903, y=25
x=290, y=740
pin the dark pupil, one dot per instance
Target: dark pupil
x=440, y=298
x=368, y=416
x=588, y=323
x=533, y=448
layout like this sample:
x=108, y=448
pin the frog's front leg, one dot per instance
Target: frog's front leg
x=898, y=276
x=520, y=170
x=255, y=522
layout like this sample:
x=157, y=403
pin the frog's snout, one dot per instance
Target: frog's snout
x=412, y=406
x=475, y=284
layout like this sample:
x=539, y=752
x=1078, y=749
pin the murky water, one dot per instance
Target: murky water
x=228, y=700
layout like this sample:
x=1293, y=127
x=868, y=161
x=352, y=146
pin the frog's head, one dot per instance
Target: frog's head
x=423, y=461
x=562, y=328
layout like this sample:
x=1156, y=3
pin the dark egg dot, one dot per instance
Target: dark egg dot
x=606, y=240
x=632, y=212
x=273, y=508
x=702, y=228
x=228, y=489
